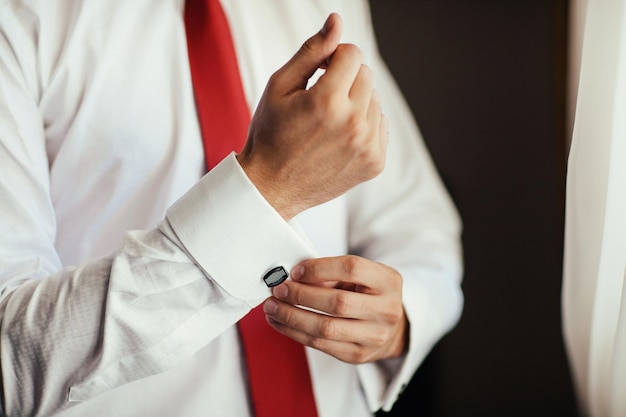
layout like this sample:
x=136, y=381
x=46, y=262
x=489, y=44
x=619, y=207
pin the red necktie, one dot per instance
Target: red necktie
x=278, y=373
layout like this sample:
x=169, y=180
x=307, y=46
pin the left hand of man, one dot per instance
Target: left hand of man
x=359, y=315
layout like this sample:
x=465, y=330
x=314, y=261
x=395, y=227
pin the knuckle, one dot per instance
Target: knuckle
x=325, y=104
x=379, y=339
x=393, y=313
x=343, y=304
x=373, y=162
x=313, y=271
x=359, y=355
x=273, y=80
x=369, y=167
x=352, y=265
x=332, y=103
x=295, y=295
x=308, y=47
x=396, y=314
x=357, y=126
x=327, y=329
x=286, y=317
x=315, y=342
x=276, y=81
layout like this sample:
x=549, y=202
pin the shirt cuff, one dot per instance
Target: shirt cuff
x=233, y=234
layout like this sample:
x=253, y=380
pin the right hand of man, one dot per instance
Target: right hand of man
x=306, y=147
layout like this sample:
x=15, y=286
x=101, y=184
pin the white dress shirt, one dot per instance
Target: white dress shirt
x=110, y=306
x=594, y=290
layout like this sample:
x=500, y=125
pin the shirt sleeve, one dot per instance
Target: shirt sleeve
x=68, y=334
x=404, y=218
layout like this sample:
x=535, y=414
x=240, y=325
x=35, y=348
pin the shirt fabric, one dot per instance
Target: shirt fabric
x=124, y=269
x=594, y=294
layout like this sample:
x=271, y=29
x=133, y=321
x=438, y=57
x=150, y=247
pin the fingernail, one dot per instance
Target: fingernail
x=297, y=272
x=328, y=24
x=270, y=307
x=281, y=291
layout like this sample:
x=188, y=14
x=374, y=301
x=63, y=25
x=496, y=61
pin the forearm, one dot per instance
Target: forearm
x=160, y=297
x=80, y=331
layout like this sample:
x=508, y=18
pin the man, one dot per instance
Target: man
x=100, y=136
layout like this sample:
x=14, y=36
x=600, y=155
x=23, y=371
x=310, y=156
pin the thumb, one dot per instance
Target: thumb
x=312, y=55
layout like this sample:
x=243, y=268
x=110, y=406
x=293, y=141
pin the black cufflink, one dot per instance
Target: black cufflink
x=275, y=276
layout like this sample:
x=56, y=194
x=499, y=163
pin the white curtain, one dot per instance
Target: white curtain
x=594, y=294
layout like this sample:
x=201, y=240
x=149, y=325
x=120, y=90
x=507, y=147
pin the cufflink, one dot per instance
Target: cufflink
x=275, y=276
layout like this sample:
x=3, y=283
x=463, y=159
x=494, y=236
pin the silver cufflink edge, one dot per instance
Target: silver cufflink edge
x=275, y=276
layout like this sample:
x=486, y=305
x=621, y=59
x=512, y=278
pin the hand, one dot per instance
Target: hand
x=306, y=147
x=364, y=320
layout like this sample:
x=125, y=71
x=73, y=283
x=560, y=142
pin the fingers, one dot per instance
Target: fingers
x=362, y=89
x=338, y=303
x=312, y=55
x=349, y=340
x=306, y=147
x=342, y=70
x=348, y=269
x=346, y=306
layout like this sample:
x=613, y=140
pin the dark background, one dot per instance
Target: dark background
x=486, y=83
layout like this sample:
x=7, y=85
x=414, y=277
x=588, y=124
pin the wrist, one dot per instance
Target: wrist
x=276, y=196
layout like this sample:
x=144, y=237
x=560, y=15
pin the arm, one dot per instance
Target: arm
x=72, y=333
